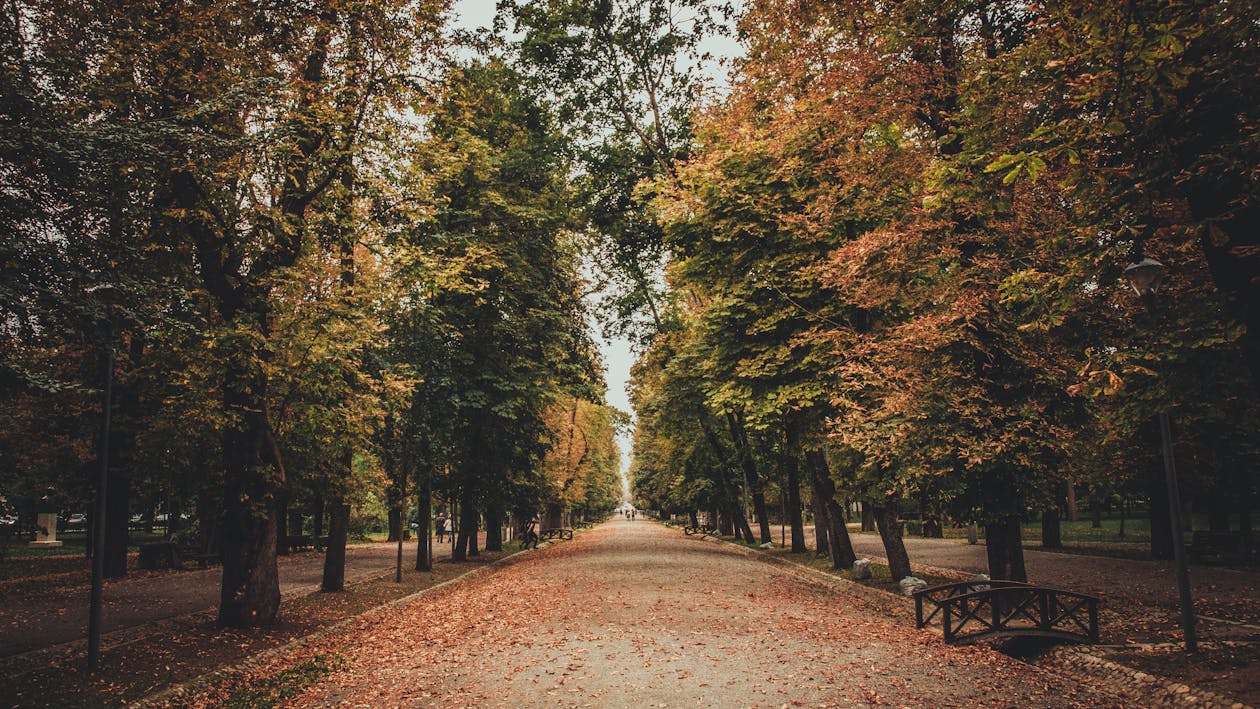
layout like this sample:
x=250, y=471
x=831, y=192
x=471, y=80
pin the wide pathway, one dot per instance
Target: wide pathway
x=45, y=613
x=634, y=613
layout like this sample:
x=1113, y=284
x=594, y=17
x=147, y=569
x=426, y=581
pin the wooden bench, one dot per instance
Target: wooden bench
x=556, y=533
x=703, y=531
x=1226, y=546
x=298, y=542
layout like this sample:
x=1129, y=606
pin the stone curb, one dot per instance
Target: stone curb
x=1142, y=688
x=162, y=698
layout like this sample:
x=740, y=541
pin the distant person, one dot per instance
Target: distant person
x=440, y=525
x=531, y=534
x=633, y=514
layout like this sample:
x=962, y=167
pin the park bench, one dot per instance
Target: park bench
x=702, y=530
x=1229, y=547
x=980, y=610
x=556, y=533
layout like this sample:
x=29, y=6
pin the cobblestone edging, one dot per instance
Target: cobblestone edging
x=1141, y=688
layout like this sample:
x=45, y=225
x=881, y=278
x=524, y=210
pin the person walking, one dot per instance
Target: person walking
x=440, y=525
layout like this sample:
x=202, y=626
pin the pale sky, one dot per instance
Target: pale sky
x=474, y=14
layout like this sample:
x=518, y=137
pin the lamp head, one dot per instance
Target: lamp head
x=1145, y=276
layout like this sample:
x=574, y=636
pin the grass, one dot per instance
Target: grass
x=270, y=691
x=73, y=544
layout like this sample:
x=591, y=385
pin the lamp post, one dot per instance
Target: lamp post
x=1144, y=277
x=108, y=294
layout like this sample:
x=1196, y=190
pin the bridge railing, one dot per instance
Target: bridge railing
x=973, y=610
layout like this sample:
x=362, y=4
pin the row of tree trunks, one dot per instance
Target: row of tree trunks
x=794, y=504
x=743, y=531
x=839, y=546
x=751, y=477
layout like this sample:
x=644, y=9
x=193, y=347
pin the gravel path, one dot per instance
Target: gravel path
x=634, y=613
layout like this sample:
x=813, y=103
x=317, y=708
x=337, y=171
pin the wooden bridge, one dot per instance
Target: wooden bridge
x=980, y=610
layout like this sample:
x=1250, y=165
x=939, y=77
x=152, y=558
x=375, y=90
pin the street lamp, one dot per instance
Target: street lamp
x=108, y=295
x=1145, y=277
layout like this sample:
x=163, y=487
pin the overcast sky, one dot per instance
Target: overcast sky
x=474, y=14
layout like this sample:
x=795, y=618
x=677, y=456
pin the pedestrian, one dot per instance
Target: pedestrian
x=531, y=534
x=440, y=525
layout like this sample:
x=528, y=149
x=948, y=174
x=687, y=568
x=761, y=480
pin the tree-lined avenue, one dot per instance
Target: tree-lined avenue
x=634, y=613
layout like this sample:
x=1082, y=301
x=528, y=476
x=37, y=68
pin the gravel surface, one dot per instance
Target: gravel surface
x=634, y=613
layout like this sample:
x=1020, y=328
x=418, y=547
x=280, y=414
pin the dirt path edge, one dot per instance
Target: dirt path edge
x=166, y=696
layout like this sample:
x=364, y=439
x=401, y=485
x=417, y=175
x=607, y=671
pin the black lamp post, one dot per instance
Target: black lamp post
x=1145, y=277
x=108, y=295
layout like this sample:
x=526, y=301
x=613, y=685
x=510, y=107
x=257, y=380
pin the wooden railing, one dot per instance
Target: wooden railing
x=976, y=610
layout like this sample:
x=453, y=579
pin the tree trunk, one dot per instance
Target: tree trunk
x=317, y=514
x=751, y=477
x=1051, y=529
x=395, y=498
x=839, y=546
x=1005, y=550
x=691, y=515
x=117, y=510
x=424, y=558
x=890, y=534
x=727, y=488
x=819, y=512
x=1071, y=501
x=282, y=526
x=1157, y=493
x=335, y=552
x=868, y=518
x=494, y=528
x=466, y=543
x=792, y=465
x=253, y=478
x=122, y=458
x=725, y=527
